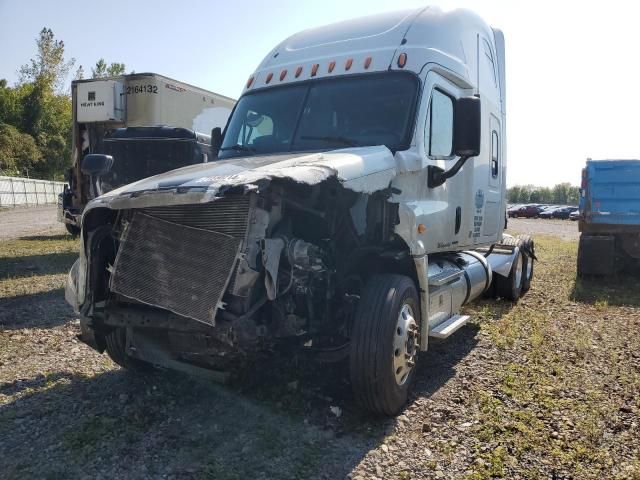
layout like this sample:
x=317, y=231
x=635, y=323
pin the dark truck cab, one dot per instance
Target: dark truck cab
x=138, y=152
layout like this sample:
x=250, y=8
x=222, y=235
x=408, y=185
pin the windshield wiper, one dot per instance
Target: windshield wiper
x=343, y=140
x=238, y=148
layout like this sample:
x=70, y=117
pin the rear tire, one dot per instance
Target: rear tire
x=116, y=342
x=511, y=287
x=385, y=343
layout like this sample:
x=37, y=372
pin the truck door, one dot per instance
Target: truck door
x=447, y=210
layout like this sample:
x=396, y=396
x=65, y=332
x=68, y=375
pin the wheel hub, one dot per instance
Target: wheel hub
x=519, y=270
x=405, y=344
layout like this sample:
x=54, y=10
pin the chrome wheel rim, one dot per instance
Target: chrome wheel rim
x=405, y=344
x=519, y=270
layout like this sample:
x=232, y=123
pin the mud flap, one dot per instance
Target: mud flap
x=596, y=255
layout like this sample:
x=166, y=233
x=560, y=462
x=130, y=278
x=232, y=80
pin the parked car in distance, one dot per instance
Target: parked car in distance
x=526, y=211
x=575, y=215
x=547, y=212
x=563, y=213
x=512, y=208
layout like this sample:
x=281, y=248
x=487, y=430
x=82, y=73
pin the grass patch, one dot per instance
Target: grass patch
x=30, y=266
x=565, y=369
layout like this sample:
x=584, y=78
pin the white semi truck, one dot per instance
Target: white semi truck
x=146, y=122
x=357, y=205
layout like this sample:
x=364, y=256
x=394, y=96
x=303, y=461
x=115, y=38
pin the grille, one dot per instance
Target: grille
x=182, y=267
x=226, y=215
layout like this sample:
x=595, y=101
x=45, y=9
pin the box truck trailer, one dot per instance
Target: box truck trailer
x=126, y=117
x=357, y=205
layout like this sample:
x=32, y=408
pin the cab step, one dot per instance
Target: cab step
x=448, y=327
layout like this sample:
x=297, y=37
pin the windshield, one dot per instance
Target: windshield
x=373, y=109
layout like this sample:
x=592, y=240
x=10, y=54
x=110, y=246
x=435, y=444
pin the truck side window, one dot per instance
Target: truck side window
x=439, y=128
x=494, y=153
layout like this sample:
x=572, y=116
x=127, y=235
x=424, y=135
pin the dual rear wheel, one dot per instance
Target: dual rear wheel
x=518, y=282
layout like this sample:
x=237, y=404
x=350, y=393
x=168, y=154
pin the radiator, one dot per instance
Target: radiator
x=228, y=215
x=181, y=258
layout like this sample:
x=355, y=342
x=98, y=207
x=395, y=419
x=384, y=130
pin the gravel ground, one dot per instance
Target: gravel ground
x=564, y=229
x=543, y=389
x=27, y=221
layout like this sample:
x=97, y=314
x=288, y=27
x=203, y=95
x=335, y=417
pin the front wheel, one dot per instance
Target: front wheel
x=116, y=342
x=384, y=343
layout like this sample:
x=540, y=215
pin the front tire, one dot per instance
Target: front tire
x=385, y=343
x=116, y=343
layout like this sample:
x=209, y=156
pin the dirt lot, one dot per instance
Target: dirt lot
x=547, y=388
x=21, y=221
x=564, y=229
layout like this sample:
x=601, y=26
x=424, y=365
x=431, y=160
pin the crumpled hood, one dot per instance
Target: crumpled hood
x=361, y=169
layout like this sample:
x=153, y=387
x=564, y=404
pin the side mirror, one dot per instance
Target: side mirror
x=466, y=139
x=96, y=164
x=467, y=131
x=216, y=140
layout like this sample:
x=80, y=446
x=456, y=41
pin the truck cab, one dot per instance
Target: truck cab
x=357, y=203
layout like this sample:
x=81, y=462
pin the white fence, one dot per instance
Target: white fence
x=16, y=191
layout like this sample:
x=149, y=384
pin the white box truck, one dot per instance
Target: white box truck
x=146, y=122
x=357, y=205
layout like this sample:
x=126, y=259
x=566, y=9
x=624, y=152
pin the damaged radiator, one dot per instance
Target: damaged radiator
x=172, y=258
x=227, y=215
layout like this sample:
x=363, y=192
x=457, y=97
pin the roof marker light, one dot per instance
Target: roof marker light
x=332, y=65
x=348, y=64
x=283, y=74
x=250, y=81
x=269, y=77
x=402, y=60
x=367, y=63
x=298, y=71
x=314, y=69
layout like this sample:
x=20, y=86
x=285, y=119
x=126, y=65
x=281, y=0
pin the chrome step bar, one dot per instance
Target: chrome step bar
x=448, y=327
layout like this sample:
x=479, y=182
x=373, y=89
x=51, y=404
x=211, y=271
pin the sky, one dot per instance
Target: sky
x=571, y=66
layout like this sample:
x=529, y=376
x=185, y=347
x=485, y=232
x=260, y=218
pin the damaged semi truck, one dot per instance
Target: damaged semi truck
x=357, y=204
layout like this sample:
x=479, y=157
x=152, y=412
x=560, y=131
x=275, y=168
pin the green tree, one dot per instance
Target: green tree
x=561, y=193
x=573, y=196
x=44, y=111
x=102, y=70
x=49, y=67
x=19, y=154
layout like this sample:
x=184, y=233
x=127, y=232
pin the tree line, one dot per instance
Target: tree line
x=560, y=194
x=35, y=113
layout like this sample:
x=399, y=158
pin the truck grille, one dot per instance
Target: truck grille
x=180, y=258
